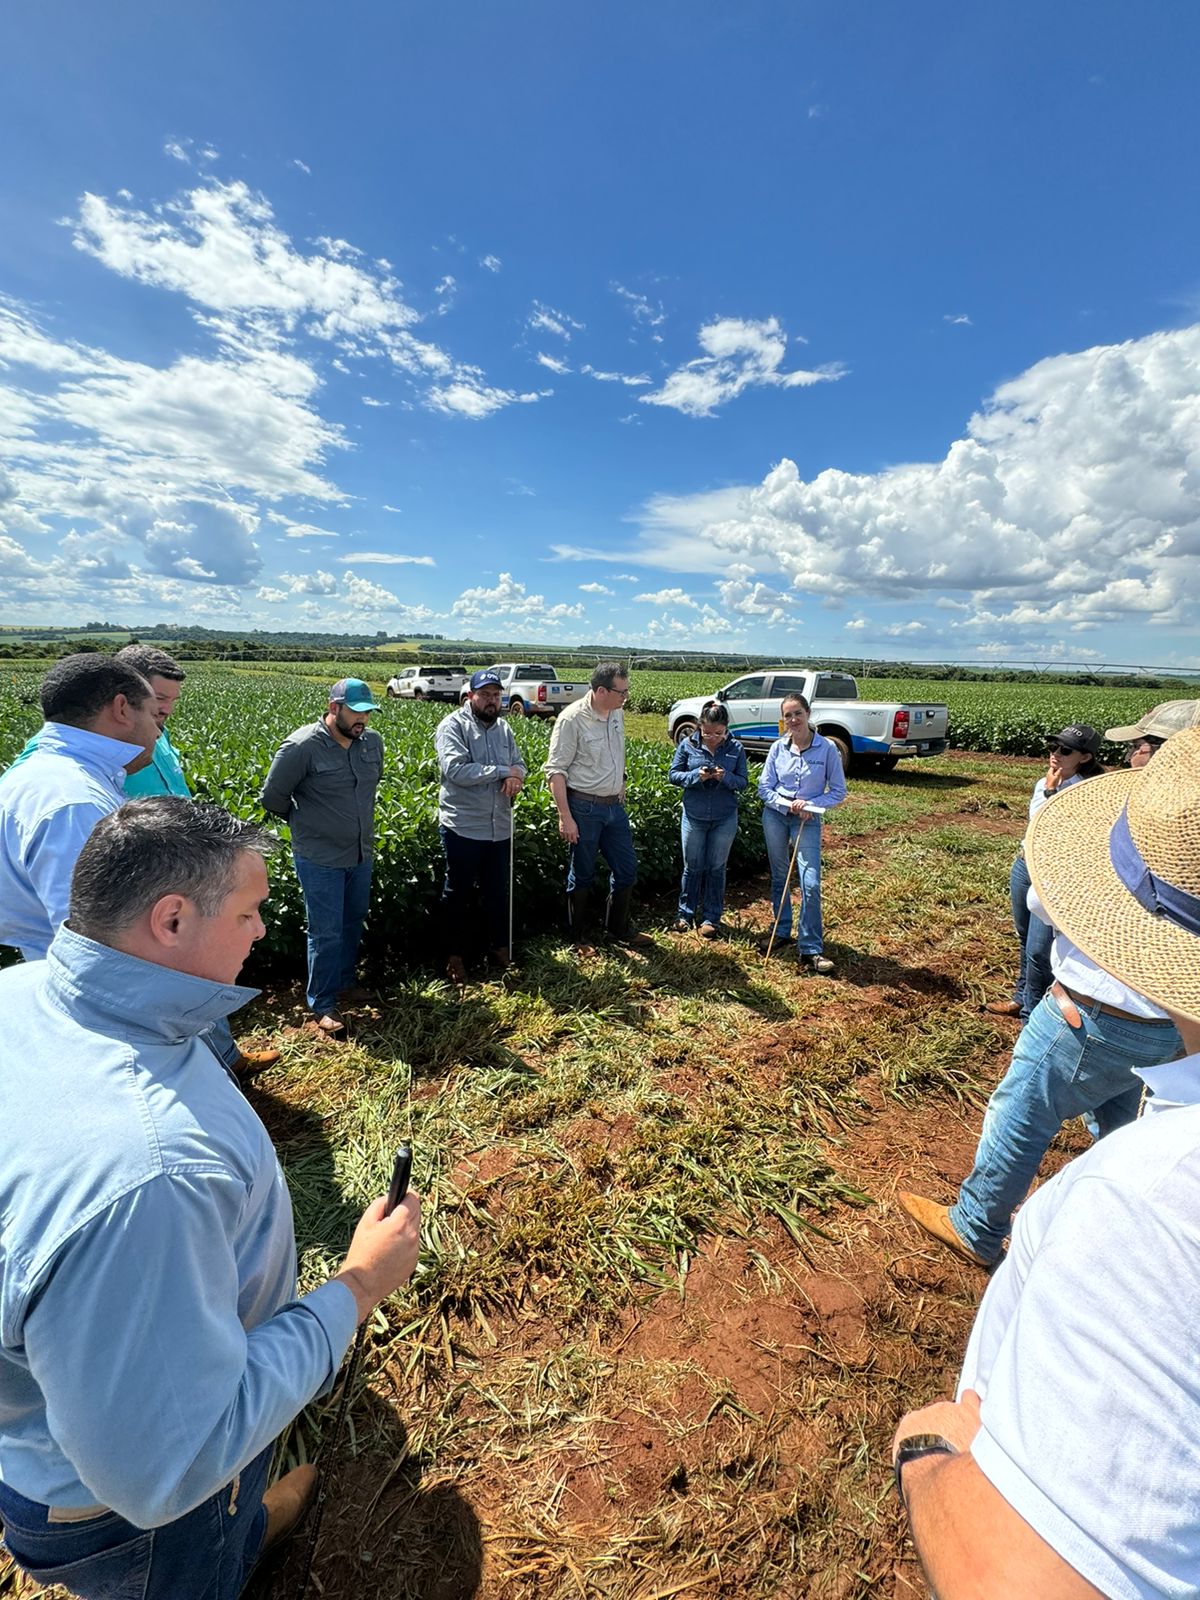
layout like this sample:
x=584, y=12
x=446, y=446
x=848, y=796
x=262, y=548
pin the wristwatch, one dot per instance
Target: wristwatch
x=912, y=1449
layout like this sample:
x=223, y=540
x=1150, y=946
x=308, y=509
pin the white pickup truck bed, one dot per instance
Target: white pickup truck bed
x=865, y=731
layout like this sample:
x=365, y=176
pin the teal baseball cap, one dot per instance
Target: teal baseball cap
x=353, y=692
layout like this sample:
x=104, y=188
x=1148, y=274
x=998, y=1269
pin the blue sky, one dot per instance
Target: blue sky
x=830, y=329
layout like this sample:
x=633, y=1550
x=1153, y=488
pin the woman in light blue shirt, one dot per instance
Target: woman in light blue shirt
x=801, y=780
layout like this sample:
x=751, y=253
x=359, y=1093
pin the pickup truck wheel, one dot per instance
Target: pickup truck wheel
x=418, y=694
x=683, y=730
x=391, y=693
x=516, y=708
x=843, y=749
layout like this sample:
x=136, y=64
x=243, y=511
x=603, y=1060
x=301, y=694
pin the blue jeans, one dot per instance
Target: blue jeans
x=603, y=830
x=335, y=904
x=474, y=864
x=706, y=847
x=1034, y=975
x=206, y=1555
x=780, y=833
x=1057, y=1072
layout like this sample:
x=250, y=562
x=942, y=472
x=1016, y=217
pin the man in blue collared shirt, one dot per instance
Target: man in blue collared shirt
x=151, y=1347
x=482, y=773
x=100, y=724
x=163, y=774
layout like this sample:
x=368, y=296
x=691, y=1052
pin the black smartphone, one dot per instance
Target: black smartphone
x=401, y=1173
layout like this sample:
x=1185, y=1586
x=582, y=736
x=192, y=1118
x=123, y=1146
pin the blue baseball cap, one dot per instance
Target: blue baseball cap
x=485, y=677
x=353, y=693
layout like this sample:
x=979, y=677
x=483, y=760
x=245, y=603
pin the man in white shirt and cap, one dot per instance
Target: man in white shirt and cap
x=1068, y=1465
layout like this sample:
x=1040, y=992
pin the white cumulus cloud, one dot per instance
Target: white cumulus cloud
x=738, y=355
x=508, y=598
x=667, y=597
x=1071, y=503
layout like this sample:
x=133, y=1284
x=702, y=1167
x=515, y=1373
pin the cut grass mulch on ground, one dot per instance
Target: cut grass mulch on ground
x=666, y=1315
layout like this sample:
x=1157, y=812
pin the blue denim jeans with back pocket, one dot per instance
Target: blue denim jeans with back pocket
x=1057, y=1072
x=208, y=1554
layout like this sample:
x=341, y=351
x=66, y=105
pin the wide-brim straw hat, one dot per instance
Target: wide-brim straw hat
x=1087, y=852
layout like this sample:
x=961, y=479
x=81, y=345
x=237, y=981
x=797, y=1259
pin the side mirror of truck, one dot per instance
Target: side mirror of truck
x=721, y=696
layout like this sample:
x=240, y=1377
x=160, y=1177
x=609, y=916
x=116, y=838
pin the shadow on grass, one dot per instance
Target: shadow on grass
x=920, y=782
x=869, y=971
x=384, y=1533
x=322, y=1216
x=688, y=969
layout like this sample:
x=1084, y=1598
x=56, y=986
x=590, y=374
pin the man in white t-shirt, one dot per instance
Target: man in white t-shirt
x=1068, y=1466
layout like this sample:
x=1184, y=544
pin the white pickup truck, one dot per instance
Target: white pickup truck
x=866, y=731
x=427, y=683
x=533, y=691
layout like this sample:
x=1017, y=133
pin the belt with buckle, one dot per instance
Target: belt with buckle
x=596, y=799
x=1069, y=1001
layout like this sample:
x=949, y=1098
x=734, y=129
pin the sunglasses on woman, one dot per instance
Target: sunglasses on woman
x=1056, y=748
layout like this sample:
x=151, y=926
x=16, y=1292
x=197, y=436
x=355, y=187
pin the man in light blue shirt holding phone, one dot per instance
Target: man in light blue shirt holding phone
x=151, y=1344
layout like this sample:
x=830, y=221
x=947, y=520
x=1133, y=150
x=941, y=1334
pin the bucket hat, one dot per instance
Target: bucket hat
x=1170, y=717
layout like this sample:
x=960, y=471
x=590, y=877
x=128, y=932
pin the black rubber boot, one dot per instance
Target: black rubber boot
x=620, y=929
x=579, y=917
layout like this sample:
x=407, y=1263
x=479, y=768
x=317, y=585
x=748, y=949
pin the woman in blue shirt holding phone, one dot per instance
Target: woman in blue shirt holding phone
x=801, y=780
x=710, y=768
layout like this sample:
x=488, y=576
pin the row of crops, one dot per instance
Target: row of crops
x=230, y=723
x=1007, y=718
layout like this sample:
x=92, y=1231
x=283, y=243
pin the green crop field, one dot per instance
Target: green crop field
x=666, y=1314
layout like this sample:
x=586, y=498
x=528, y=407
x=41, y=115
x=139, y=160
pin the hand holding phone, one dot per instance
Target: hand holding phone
x=383, y=1252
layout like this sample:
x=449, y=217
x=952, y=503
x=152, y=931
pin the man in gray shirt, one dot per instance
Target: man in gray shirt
x=482, y=773
x=322, y=783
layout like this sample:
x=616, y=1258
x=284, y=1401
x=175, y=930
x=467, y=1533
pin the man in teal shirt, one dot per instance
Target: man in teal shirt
x=164, y=775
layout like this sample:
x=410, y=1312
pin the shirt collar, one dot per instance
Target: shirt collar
x=93, y=749
x=113, y=991
x=1175, y=1081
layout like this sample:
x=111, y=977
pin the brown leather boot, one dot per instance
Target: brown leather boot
x=251, y=1062
x=286, y=1502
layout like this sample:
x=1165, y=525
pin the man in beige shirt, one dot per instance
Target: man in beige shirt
x=586, y=773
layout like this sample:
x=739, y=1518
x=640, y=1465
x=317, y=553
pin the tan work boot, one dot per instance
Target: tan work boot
x=332, y=1023
x=934, y=1220
x=285, y=1503
x=251, y=1062
x=1003, y=1008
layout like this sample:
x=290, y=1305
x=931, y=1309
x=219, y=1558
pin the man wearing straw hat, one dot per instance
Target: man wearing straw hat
x=1076, y=1056
x=1068, y=1466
